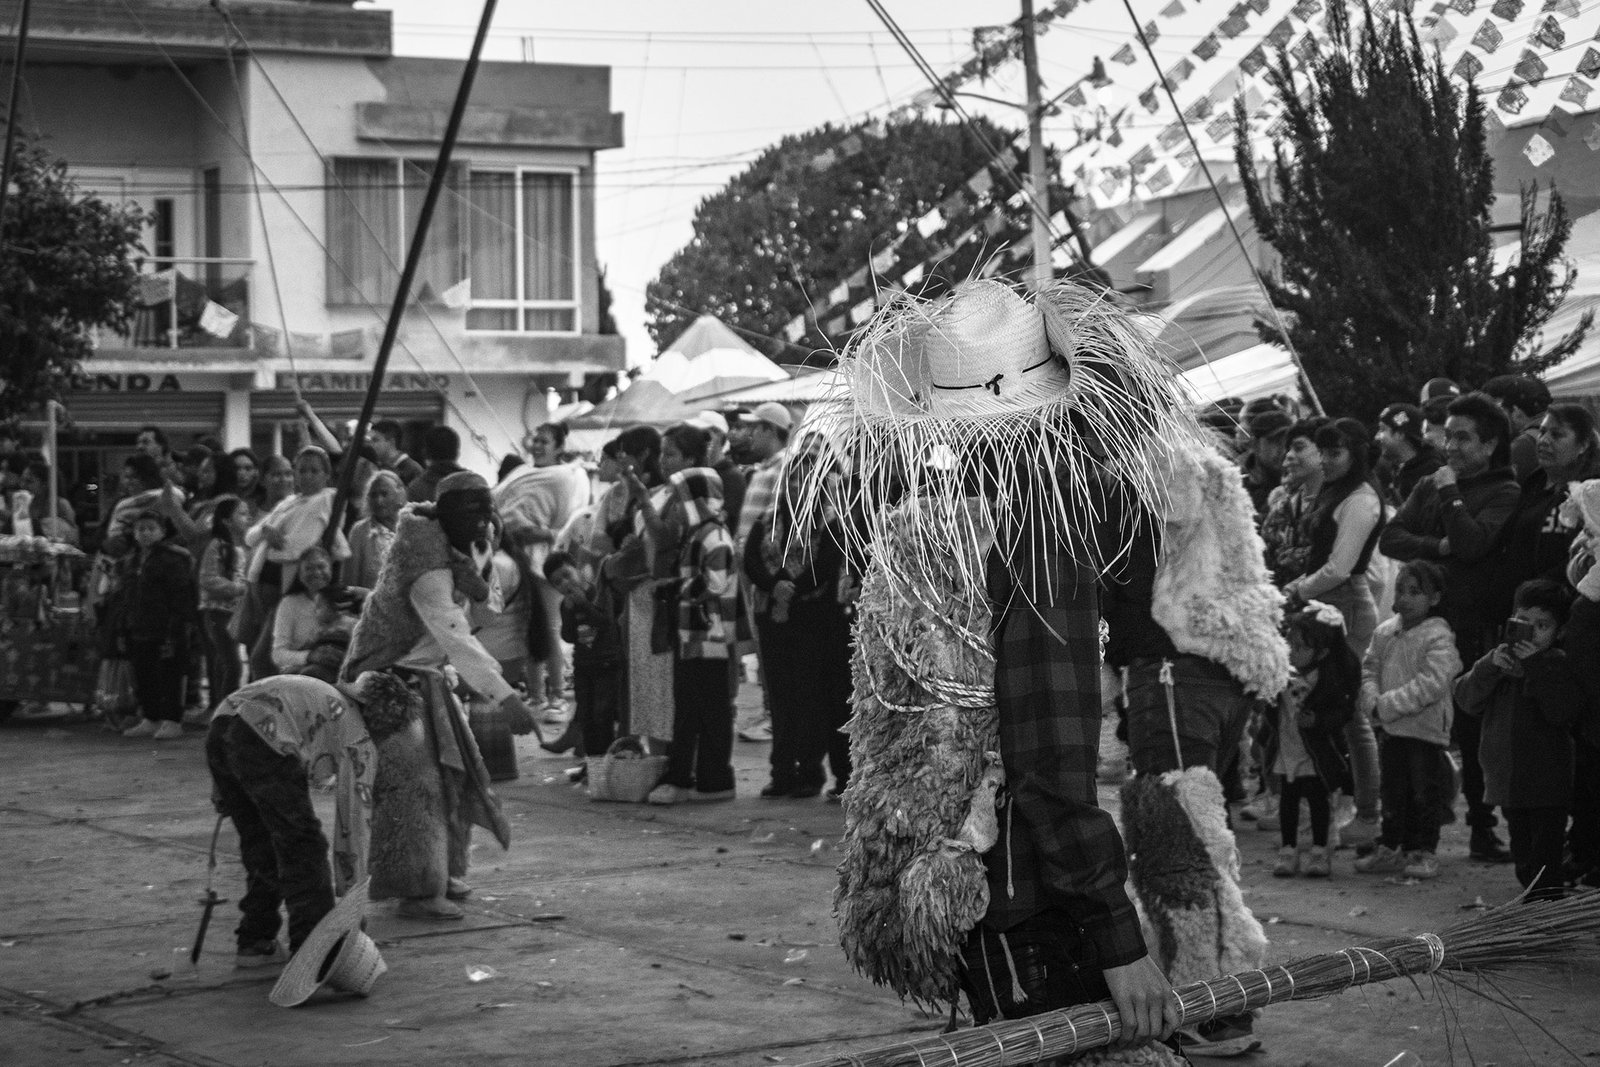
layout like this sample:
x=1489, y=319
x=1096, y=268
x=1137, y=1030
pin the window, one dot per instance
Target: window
x=513, y=232
x=524, y=248
x=373, y=208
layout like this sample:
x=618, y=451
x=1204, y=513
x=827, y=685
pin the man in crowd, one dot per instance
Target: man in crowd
x=1524, y=400
x=441, y=447
x=1263, y=464
x=768, y=440
x=1407, y=455
x=1454, y=517
x=152, y=441
x=384, y=445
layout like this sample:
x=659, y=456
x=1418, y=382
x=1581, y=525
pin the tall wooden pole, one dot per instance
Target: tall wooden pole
x=11, y=107
x=1037, y=182
x=408, y=274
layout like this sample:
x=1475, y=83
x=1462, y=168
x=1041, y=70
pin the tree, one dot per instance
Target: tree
x=784, y=233
x=65, y=268
x=1382, y=186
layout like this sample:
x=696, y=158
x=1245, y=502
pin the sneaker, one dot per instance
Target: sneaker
x=1358, y=832
x=761, y=731
x=1317, y=864
x=1421, y=865
x=1219, y=1038
x=168, y=731
x=1263, y=805
x=427, y=908
x=777, y=790
x=1381, y=860
x=697, y=796
x=1288, y=864
x=1268, y=822
x=665, y=794
x=456, y=889
x=142, y=728
x=260, y=954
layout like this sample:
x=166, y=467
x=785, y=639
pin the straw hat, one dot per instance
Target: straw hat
x=987, y=353
x=338, y=953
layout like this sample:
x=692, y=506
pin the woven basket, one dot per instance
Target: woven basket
x=626, y=779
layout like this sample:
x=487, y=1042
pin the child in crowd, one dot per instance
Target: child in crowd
x=222, y=588
x=1406, y=683
x=1528, y=696
x=162, y=605
x=1308, y=748
x=589, y=624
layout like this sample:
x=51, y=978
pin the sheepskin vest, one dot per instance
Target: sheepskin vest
x=389, y=626
x=1212, y=592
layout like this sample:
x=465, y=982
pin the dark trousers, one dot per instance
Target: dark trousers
x=1312, y=790
x=224, y=671
x=1536, y=842
x=285, y=854
x=597, y=704
x=1583, y=838
x=806, y=675
x=157, y=680
x=700, y=755
x=1413, y=793
x=1471, y=642
x=1211, y=711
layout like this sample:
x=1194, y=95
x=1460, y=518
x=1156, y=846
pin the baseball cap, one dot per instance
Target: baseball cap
x=774, y=414
x=1437, y=387
x=1269, y=423
x=711, y=420
x=1403, y=419
x=1529, y=395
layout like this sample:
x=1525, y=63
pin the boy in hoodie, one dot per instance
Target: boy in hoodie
x=1528, y=697
x=1406, y=688
x=700, y=755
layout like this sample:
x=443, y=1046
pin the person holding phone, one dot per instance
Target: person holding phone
x=1527, y=696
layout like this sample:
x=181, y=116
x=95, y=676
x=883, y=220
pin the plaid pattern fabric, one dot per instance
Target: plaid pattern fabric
x=1060, y=852
x=760, y=494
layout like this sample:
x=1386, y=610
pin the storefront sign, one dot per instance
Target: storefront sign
x=127, y=383
x=398, y=382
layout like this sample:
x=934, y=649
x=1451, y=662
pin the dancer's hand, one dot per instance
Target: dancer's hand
x=1145, y=1000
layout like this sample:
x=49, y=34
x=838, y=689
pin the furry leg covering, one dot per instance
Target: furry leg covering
x=411, y=840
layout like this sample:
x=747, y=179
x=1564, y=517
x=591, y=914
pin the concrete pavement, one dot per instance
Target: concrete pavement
x=610, y=934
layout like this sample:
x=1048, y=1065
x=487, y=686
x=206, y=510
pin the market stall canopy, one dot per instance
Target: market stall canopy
x=710, y=359
x=644, y=403
x=1262, y=370
x=806, y=387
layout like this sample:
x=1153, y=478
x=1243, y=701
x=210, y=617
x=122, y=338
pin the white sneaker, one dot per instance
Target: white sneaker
x=142, y=728
x=168, y=731
x=665, y=794
x=1421, y=865
x=761, y=731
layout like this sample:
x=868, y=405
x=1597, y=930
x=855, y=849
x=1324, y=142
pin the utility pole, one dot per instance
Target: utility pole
x=1037, y=184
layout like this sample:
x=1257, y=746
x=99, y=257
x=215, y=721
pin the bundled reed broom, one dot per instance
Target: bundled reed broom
x=1519, y=934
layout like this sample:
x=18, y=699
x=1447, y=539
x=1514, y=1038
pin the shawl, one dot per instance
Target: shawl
x=540, y=498
x=708, y=582
x=1212, y=593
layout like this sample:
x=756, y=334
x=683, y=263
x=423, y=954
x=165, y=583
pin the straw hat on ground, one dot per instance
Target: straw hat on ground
x=338, y=954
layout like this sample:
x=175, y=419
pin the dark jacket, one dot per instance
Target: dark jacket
x=1332, y=705
x=1534, y=543
x=1472, y=513
x=1528, y=714
x=161, y=599
x=1406, y=476
x=603, y=649
x=733, y=487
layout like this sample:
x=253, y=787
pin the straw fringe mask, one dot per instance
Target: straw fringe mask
x=1058, y=409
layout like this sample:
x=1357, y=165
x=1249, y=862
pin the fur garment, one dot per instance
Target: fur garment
x=389, y=627
x=1212, y=594
x=1183, y=865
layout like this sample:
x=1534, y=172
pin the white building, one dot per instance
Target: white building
x=157, y=102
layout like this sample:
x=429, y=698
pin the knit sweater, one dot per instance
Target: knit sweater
x=1406, y=679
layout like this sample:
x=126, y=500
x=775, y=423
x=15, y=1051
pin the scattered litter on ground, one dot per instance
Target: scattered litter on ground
x=160, y=974
x=492, y=1007
x=697, y=992
x=374, y=1041
x=795, y=981
x=731, y=937
x=1476, y=905
x=798, y=955
x=1357, y=911
x=477, y=972
x=400, y=1024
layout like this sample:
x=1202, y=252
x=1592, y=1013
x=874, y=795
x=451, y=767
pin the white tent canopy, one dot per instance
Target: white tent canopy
x=710, y=359
x=1263, y=370
x=807, y=387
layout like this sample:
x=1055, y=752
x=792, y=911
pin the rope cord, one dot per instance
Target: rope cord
x=1233, y=227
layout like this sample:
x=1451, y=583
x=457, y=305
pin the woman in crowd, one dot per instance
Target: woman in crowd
x=247, y=481
x=34, y=480
x=631, y=570
x=535, y=501
x=160, y=604
x=371, y=537
x=1342, y=532
x=1536, y=543
x=278, y=541
x=277, y=482
x=310, y=627
x=795, y=564
x=222, y=588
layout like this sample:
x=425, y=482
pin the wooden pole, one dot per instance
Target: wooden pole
x=408, y=273
x=11, y=108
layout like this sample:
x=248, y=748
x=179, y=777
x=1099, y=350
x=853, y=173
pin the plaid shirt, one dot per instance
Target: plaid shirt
x=760, y=495
x=1059, y=851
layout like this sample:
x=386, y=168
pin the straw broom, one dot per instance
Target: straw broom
x=1513, y=935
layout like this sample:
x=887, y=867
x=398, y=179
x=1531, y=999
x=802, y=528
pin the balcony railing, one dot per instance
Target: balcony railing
x=187, y=303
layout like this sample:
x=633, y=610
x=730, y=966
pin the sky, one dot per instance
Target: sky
x=705, y=86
